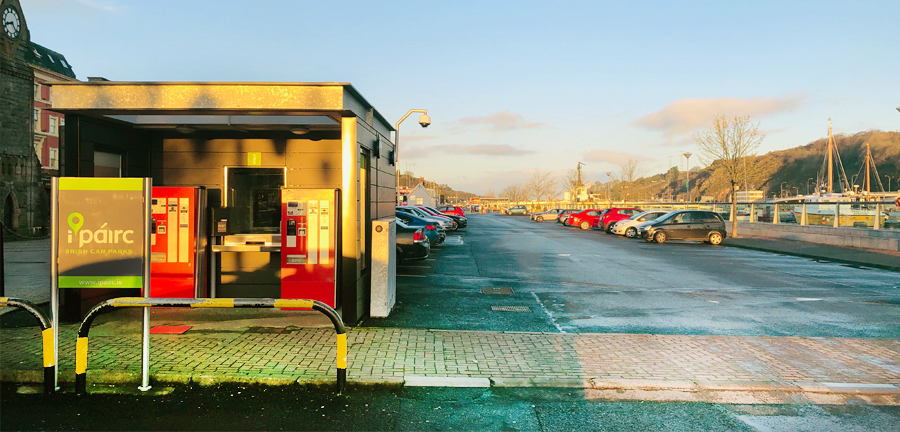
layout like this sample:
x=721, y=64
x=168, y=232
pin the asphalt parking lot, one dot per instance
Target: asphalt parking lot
x=508, y=273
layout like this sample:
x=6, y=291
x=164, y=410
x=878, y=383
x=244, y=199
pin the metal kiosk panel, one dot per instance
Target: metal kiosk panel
x=309, y=225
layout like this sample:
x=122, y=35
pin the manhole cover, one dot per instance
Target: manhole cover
x=510, y=309
x=492, y=290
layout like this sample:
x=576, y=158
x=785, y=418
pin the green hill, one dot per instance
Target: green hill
x=792, y=167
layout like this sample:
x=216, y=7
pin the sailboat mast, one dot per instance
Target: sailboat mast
x=868, y=162
x=830, y=158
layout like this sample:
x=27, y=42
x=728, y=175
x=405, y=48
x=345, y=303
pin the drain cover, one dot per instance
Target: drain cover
x=510, y=309
x=492, y=290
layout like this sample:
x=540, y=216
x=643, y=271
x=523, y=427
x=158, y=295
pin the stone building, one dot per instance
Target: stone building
x=30, y=133
x=20, y=169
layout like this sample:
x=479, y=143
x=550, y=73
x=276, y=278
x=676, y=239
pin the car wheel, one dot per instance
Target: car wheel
x=715, y=238
x=660, y=237
x=609, y=229
x=631, y=232
x=539, y=219
x=585, y=225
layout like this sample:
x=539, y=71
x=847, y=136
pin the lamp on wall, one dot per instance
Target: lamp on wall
x=299, y=130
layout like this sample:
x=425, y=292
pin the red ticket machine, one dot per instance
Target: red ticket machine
x=178, y=242
x=309, y=226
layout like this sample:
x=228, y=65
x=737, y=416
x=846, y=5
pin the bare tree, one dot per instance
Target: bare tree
x=490, y=193
x=570, y=181
x=514, y=193
x=729, y=143
x=629, y=175
x=541, y=185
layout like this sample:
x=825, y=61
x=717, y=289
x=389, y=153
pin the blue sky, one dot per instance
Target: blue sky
x=515, y=86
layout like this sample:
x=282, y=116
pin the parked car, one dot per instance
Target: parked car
x=628, y=227
x=551, y=214
x=563, y=216
x=433, y=231
x=449, y=209
x=461, y=221
x=412, y=244
x=517, y=210
x=698, y=225
x=584, y=219
x=613, y=215
x=445, y=223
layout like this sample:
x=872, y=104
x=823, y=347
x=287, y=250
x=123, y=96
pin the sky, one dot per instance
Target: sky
x=518, y=86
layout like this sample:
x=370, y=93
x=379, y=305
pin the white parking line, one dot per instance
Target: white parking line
x=549, y=314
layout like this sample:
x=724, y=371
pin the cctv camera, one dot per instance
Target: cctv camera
x=425, y=121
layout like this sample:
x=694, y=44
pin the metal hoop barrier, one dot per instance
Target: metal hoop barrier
x=81, y=346
x=46, y=338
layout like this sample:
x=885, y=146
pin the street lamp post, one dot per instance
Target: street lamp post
x=889, y=182
x=807, y=185
x=782, y=189
x=424, y=120
x=687, y=163
x=608, y=174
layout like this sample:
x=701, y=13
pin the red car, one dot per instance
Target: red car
x=613, y=215
x=451, y=210
x=584, y=219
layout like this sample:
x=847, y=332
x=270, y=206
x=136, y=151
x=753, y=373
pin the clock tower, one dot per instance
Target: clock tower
x=20, y=170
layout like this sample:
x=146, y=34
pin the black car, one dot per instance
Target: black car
x=698, y=225
x=412, y=245
x=434, y=232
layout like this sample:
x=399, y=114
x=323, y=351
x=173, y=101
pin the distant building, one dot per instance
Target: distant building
x=421, y=196
x=48, y=66
x=747, y=196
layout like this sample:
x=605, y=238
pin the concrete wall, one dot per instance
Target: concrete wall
x=845, y=236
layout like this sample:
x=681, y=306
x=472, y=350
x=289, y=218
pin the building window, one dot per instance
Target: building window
x=37, y=120
x=419, y=201
x=37, y=91
x=54, y=163
x=52, y=125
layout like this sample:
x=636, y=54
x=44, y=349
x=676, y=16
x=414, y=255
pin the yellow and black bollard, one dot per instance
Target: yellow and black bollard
x=81, y=347
x=48, y=346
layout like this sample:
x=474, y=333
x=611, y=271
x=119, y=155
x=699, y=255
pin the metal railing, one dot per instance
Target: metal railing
x=854, y=214
x=81, y=346
x=48, y=346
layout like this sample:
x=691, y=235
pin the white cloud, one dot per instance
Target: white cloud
x=501, y=121
x=611, y=157
x=686, y=115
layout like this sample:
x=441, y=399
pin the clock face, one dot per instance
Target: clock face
x=11, y=23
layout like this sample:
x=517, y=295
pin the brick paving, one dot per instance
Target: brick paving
x=387, y=355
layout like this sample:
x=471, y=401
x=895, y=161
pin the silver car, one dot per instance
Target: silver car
x=549, y=215
x=628, y=227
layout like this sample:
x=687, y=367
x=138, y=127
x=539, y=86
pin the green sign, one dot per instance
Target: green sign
x=100, y=232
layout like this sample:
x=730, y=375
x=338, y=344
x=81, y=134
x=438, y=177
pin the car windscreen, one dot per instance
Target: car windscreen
x=666, y=217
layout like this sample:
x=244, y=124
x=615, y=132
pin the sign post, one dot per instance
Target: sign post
x=100, y=230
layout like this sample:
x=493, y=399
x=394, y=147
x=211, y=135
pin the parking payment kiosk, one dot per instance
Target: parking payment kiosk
x=309, y=226
x=178, y=242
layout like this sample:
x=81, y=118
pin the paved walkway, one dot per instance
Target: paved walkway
x=273, y=348
x=27, y=270
x=390, y=356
